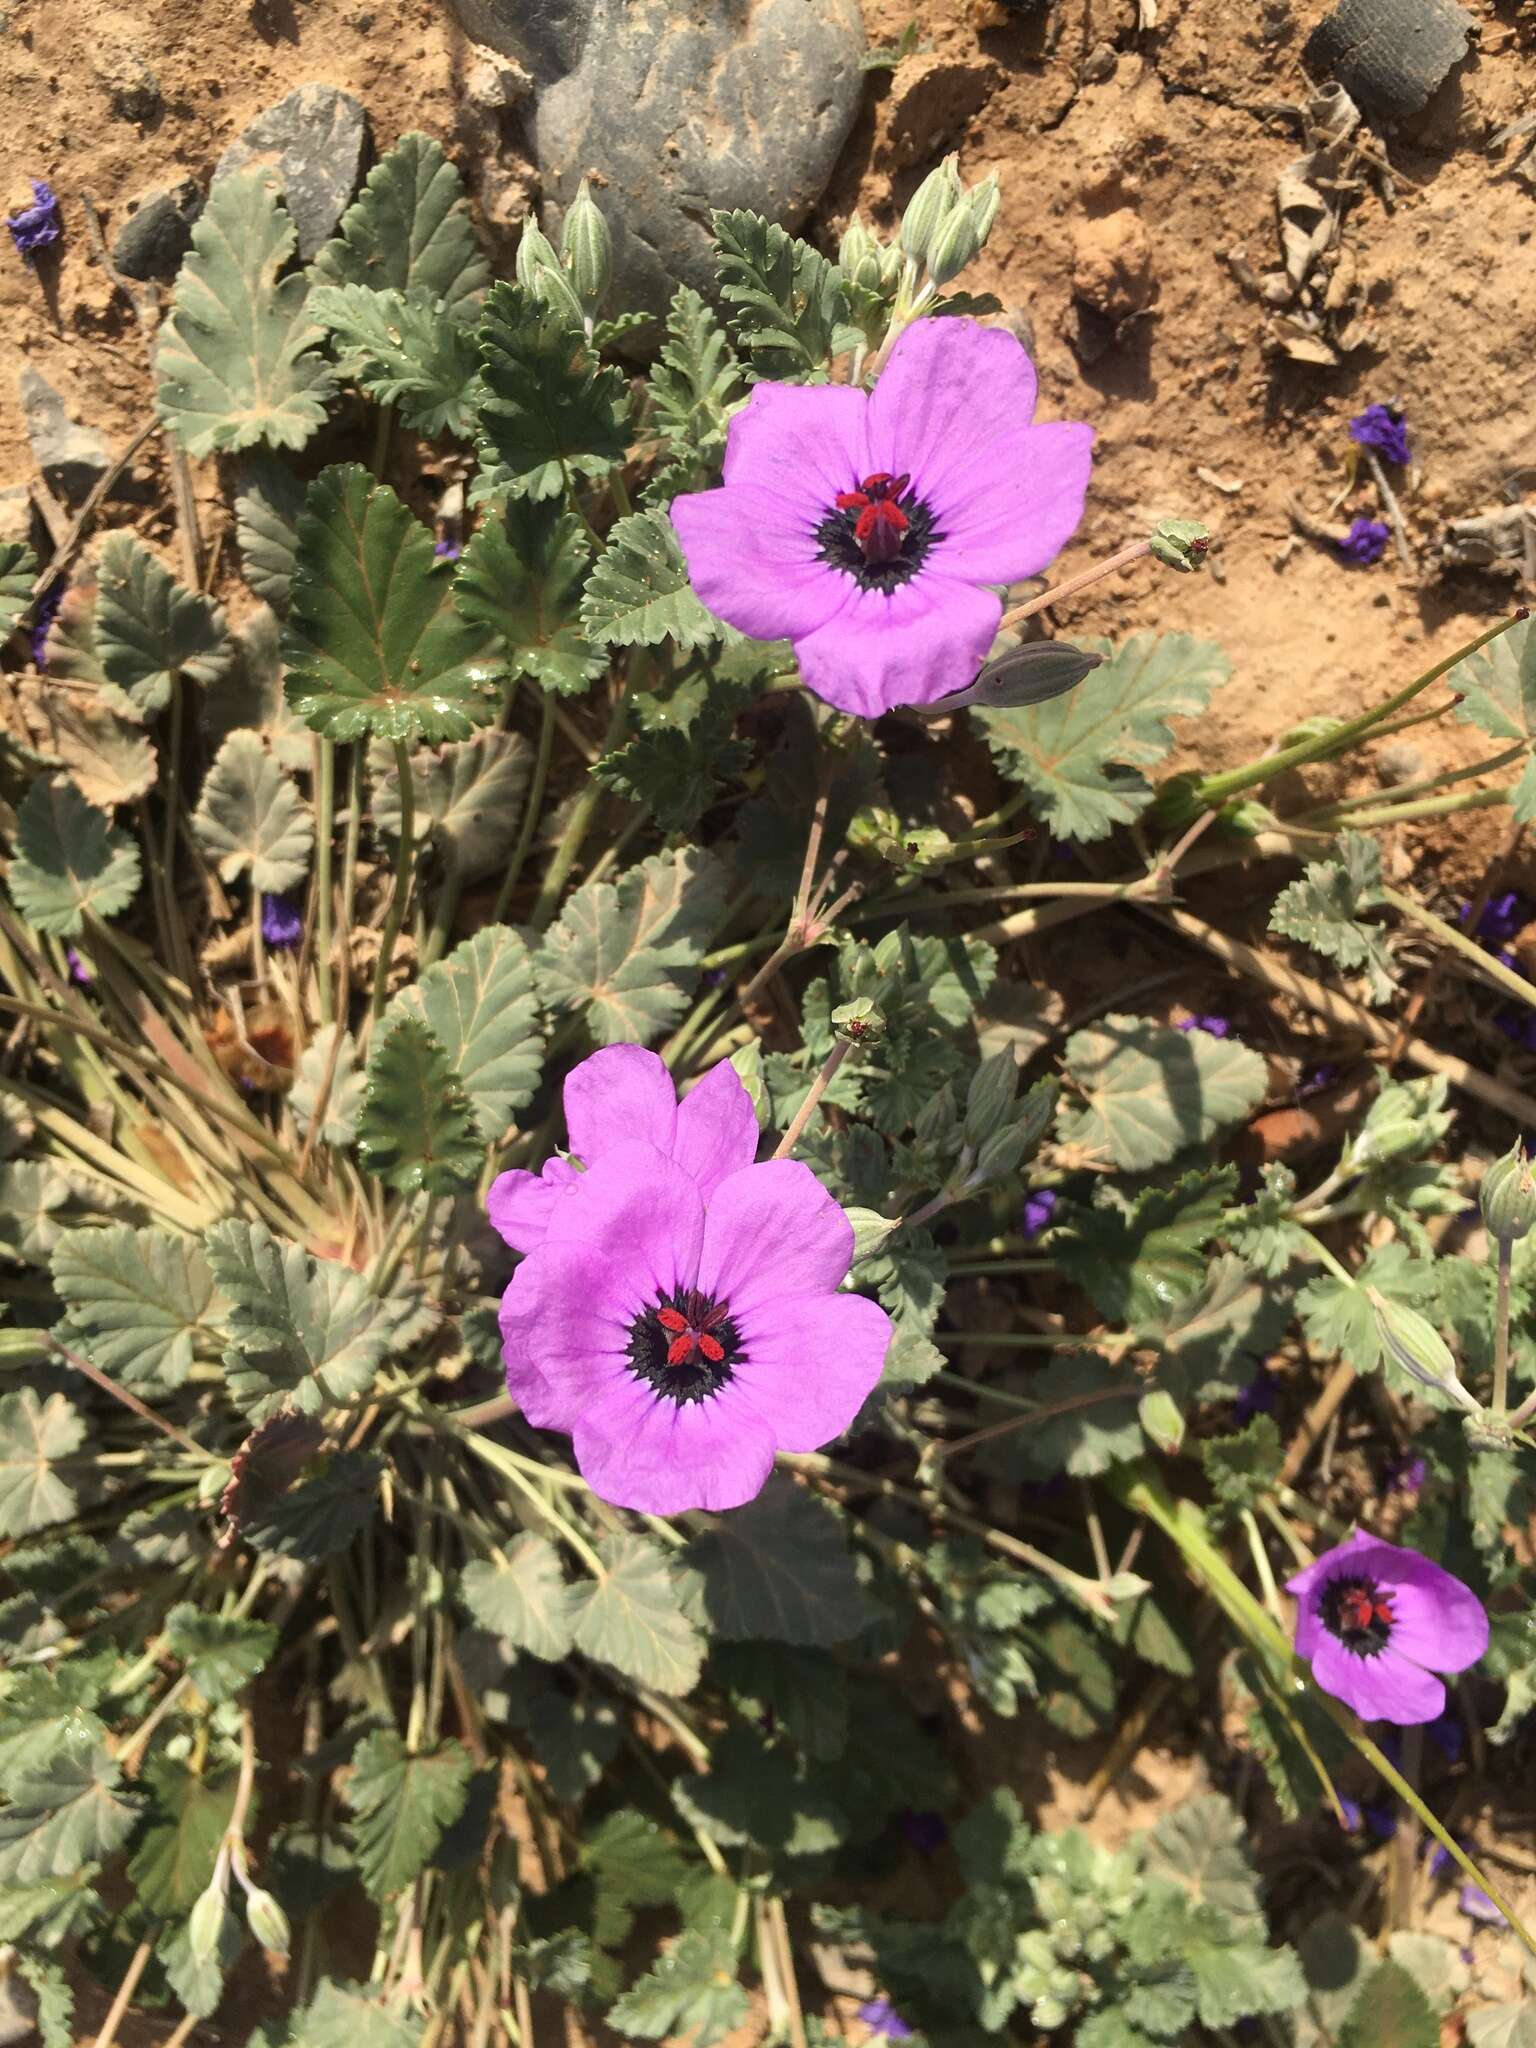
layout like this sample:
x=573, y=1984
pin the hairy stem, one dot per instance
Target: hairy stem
x=403, y=859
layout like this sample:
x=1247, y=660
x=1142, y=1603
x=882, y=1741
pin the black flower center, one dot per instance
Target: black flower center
x=685, y=1346
x=1358, y=1612
x=878, y=534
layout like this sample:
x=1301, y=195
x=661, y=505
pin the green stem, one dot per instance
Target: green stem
x=403, y=858
x=349, y=852
x=1493, y=969
x=532, y=806
x=1339, y=1272
x=1432, y=807
x=585, y=809
x=1216, y=790
x=1326, y=813
x=172, y=810
x=1501, y=1328
x=325, y=827
x=442, y=918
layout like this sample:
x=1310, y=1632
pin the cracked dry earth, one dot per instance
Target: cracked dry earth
x=1134, y=162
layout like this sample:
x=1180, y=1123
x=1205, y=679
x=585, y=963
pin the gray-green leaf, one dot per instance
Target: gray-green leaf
x=18, y=572
x=63, y=1815
x=251, y=818
x=410, y=229
x=403, y=350
x=345, y=1101
x=525, y=1599
x=69, y=860
x=34, y=1436
x=786, y=299
x=468, y=796
x=639, y=594
x=403, y=1801
x=236, y=362
x=780, y=1569
x=138, y=1300
x=1149, y=1090
x=222, y=1652
x=149, y=629
x=267, y=527
x=417, y=1130
x=633, y=1619
x=1497, y=691
x=479, y=1004
x=550, y=409
x=1323, y=910
x=628, y=952
x=374, y=644
x=521, y=577
x=1081, y=756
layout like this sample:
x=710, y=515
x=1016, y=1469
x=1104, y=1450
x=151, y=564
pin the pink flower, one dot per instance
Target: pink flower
x=683, y=1340
x=621, y=1093
x=1371, y=1616
x=867, y=528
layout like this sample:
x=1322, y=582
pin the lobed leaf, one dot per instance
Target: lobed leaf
x=1323, y=910
x=404, y=350
x=468, y=796
x=628, y=952
x=780, y=1569
x=374, y=645
x=417, y=1128
x=404, y=1801
x=18, y=572
x=174, y=1861
x=107, y=757
x=267, y=527
x=409, y=230
x=692, y=1995
x=69, y=860
x=524, y=1599
x=1149, y=1090
x=344, y=1102
x=222, y=1652
x=251, y=818
x=480, y=1006
x=639, y=595
x=63, y=1815
x=633, y=1618
x=149, y=629
x=1496, y=691
x=786, y=299
x=521, y=578
x=549, y=410
x=137, y=1300
x=236, y=361
x=34, y=1435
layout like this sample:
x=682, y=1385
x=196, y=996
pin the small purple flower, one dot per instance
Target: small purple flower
x=1502, y=917
x=1477, y=1905
x=871, y=528
x=447, y=549
x=927, y=1832
x=35, y=226
x=1349, y=1815
x=79, y=973
x=1371, y=1616
x=282, y=922
x=1382, y=1822
x=44, y=612
x=884, y=2021
x=1440, y=1861
x=1038, y=1207
x=678, y=1313
x=1218, y=1027
x=1383, y=428
x=1406, y=1476
x=1366, y=542
x=1257, y=1398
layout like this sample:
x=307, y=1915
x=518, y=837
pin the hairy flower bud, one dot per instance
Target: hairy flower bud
x=586, y=242
x=928, y=209
x=983, y=201
x=857, y=244
x=1508, y=1196
x=955, y=244
x=540, y=271
x=1180, y=543
x=1417, y=1346
x=206, y=1920
x=267, y=1920
x=1163, y=1420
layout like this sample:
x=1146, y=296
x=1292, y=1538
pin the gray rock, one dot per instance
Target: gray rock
x=315, y=139
x=158, y=233
x=680, y=109
x=133, y=91
x=18, y=2008
x=70, y=456
x=15, y=513
x=1391, y=55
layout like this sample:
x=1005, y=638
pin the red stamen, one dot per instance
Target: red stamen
x=880, y=530
x=846, y=500
x=680, y=1350
x=711, y=1347
x=669, y=1319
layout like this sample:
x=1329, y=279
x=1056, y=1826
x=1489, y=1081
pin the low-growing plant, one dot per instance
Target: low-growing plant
x=474, y=1531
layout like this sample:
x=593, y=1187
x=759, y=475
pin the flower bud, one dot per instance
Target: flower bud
x=870, y=1231
x=1382, y=1138
x=983, y=200
x=1163, y=1420
x=989, y=1099
x=206, y=1921
x=1417, y=1346
x=267, y=1920
x=928, y=209
x=1180, y=543
x=540, y=271
x=24, y=1347
x=1507, y=1196
x=586, y=242
x=953, y=246
x=857, y=244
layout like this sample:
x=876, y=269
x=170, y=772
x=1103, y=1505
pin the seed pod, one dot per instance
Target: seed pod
x=1023, y=675
x=267, y=1921
x=586, y=242
x=1163, y=1420
x=1180, y=543
x=928, y=209
x=1419, y=1349
x=1507, y=1196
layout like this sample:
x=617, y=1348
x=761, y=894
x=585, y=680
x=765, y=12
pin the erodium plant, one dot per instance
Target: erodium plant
x=579, y=1306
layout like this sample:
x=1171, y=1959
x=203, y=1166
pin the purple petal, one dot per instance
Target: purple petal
x=716, y=1128
x=772, y=1232
x=1477, y=1905
x=664, y=1457
x=520, y=1204
x=646, y=1216
x=906, y=646
x=802, y=443
x=620, y=1093
x=950, y=390
x=1019, y=508
x=752, y=559
x=810, y=1364
x=1437, y=1620
x=1386, y=1687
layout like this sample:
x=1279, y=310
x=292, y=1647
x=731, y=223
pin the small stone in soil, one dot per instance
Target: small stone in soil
x=71, y=457
x=315, y=139
x=675, y=112
x=133, y=91
x=158, y=233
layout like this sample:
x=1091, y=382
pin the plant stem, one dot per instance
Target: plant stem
x=1501, y=1328
x=168, y=843
x=557, y=873
x=1220, y=789
x=125, y=1991
x=325, y=827
x=817, y=1089
x=1073, y=584
x=403, y=858
x=532, y=806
